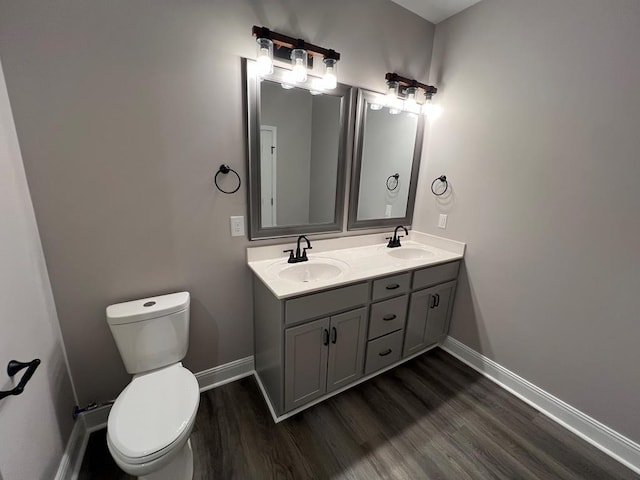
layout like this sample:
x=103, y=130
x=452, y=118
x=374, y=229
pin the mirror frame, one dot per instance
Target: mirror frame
x=252, y=82
x=366, y=97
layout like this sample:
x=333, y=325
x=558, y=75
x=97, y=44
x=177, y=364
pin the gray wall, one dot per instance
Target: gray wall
x=539, y=137
x=324, y=158
x=289, y=111
x=36, y=425
x=124, y=111
x=388, y=147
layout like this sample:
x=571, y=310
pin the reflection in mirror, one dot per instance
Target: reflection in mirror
x=296, y=156
x=299, y=135
x=386, y=161
x=388, y=151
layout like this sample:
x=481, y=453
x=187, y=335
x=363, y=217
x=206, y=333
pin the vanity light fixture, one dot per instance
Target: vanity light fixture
x=299, y=60
x=264, y=59
x=299, y=52
x=392, y=99
x=403, y=94
x=330, y=78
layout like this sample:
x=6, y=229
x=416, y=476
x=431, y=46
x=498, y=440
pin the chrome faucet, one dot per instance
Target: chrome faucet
x=299, y=257
x=395, y=240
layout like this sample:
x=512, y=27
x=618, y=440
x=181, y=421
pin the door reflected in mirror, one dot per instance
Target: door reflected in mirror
x=297, y=148
x=299, y=141
x=386, y=161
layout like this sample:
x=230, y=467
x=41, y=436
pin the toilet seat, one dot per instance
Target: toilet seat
x=153, y=413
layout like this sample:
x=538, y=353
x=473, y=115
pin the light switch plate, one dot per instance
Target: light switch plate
x=442, y=221
x=237, y=226
x=387, y=211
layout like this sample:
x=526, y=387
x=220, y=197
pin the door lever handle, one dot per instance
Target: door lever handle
x=13, y=368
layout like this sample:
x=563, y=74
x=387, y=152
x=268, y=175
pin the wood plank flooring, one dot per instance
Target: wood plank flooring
x=432, y=418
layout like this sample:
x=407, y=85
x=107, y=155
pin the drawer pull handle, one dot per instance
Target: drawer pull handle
x=385, y=353
x=393, y=286
x=388, y=318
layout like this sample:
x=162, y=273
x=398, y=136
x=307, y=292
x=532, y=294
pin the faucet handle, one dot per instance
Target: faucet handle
x=304, y=257
x=291, y=258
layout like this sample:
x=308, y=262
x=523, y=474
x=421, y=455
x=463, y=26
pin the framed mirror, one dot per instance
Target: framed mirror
x=386, y=160
x=297, y=144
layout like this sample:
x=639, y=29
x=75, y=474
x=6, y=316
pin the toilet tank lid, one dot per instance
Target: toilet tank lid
x=147, y=308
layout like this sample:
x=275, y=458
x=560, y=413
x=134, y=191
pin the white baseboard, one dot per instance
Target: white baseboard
x=599, y=435
x=71, y=461
x=88, y=422
x=222, y=374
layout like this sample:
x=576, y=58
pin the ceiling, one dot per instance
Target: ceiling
x=435, y=10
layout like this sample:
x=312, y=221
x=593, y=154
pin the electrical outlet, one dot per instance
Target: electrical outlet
x=237, y=226
x=442, y=221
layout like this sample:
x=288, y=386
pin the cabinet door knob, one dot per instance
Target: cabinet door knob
x=334, y=335
x=432, y=301
x=437, y=300
x=385, y=353
x=326, y=337
x=388, y=318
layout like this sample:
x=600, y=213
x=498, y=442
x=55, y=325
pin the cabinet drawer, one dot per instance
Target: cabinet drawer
x=391, y=286
x=387, y=316
x=383, y=351
x=325, y=303
x=434, y=275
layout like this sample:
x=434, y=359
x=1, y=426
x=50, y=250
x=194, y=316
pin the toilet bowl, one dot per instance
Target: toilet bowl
x=151, y=420
x=150, y=423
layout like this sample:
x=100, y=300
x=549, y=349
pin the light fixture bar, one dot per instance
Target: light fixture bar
x=286, y=41
x=405, y=82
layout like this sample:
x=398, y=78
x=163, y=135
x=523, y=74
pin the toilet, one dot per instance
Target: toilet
x=151, y=420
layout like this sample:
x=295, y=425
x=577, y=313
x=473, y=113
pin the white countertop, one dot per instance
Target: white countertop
x=365, y=256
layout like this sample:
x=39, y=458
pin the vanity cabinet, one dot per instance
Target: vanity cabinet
x=311, y=345
x=323, y=355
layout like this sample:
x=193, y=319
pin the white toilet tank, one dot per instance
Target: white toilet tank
x=152, y=332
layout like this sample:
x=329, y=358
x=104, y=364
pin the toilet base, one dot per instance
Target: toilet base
x=180, y=467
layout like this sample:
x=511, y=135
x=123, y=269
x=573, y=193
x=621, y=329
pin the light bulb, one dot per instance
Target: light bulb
x=410, y=104
x=330, y=78
x=431, y=111
x=264, y=60
x=392, y=92
x=299, y=64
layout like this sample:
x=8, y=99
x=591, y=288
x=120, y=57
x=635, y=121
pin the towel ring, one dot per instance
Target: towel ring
x=225, y=169
x=442, y=179
x=395, y=185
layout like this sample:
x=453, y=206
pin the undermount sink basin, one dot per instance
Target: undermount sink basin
x=409, y=253
x=312, y=270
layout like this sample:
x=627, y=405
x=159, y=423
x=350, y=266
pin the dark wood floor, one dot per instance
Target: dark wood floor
x=432, y=418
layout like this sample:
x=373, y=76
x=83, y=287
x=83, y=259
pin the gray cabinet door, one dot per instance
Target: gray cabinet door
x=428, y=319
x=419, y=307
x=306, y=352
x=346, y=350
x=438, y=317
